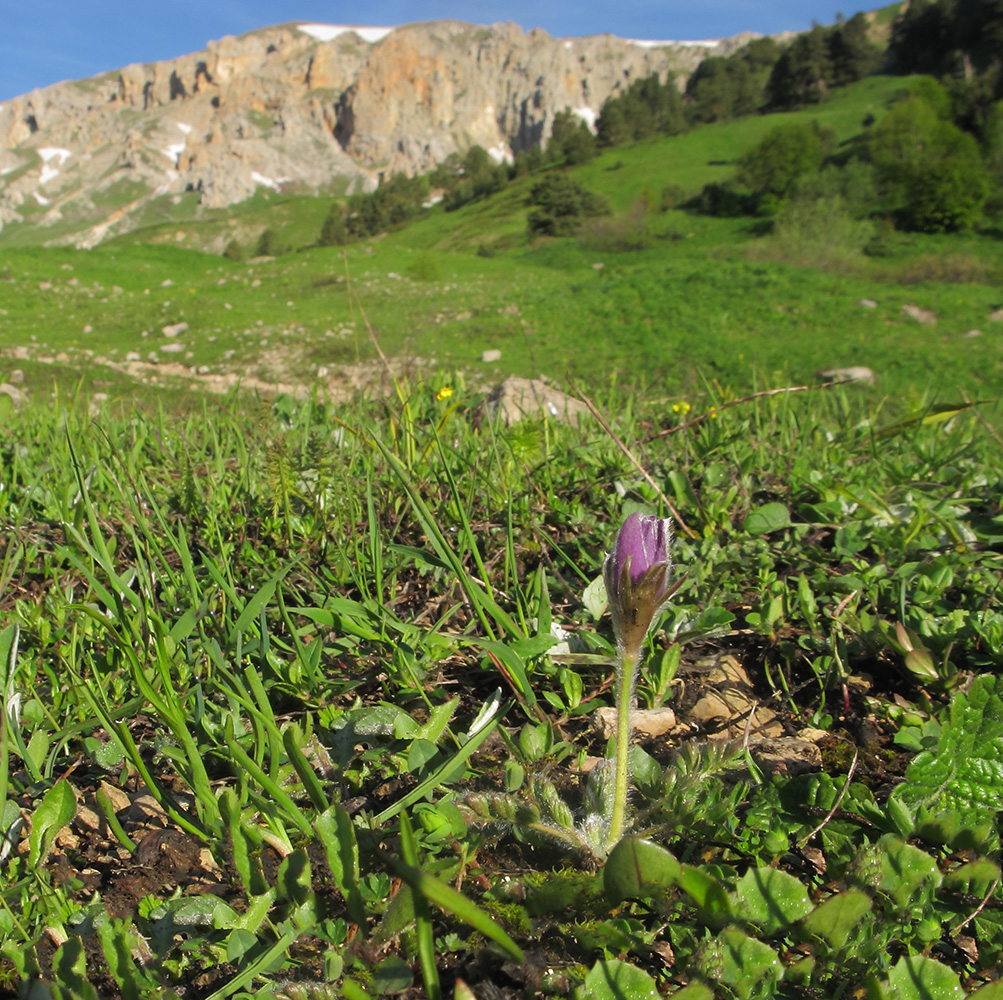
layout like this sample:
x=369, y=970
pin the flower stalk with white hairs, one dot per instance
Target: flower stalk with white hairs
x=637, y=573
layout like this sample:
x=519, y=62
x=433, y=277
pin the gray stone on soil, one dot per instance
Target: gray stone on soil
x=788, y=755
x=919, y=314
x=518, y=397
x=729, y=708
x=650, y=722
x=855, y=373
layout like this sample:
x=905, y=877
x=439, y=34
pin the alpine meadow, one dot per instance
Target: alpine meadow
x=570, y=571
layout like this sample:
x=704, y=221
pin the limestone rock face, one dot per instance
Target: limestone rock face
x=299, y=107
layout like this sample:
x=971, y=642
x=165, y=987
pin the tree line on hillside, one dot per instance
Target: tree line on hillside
x=916, y=168
x=934, y=162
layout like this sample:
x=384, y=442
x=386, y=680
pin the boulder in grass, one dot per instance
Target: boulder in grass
x=518, y=397
x=174, y=329
x=919, y=314
x=15, y=395
x=996, y=316
x=855, y=373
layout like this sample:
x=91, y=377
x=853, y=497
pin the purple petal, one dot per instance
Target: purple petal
x=645, y=540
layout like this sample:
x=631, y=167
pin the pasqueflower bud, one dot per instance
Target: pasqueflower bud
x=637, y=574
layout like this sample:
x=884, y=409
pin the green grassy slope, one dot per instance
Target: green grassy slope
x=690, y=309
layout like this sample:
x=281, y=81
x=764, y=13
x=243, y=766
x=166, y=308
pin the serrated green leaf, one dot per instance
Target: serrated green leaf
x=69, y=969
x=637, y=868
x=834, y=919
x=965, y=772
x=771, y=899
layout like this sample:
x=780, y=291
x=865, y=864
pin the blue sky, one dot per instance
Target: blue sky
x=45, y=41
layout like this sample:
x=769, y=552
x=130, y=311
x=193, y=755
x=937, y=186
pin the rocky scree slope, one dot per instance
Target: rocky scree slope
x=298, y=107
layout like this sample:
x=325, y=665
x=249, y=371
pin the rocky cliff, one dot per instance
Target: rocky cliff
x=297, y=107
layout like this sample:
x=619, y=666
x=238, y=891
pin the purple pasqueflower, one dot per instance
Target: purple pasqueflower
x=637, y=574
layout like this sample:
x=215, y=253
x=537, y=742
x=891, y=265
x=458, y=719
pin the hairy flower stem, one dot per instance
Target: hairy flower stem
x=624, y=702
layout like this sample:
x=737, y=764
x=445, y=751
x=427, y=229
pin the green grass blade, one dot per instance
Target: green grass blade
x=448, y=899
x=422, y=916
x=443, y=774
x=279, y=796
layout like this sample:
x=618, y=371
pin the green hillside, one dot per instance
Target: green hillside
x=704, y=298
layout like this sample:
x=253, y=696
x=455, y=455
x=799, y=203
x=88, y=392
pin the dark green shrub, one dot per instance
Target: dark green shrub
x=333, y=232
x=932, y=171
x=234, y=251
x=882, y=241
x=784, y=155
x=725, y=201
x=396, y=201
x=267, y=245
x=673, y=196
x=476, y=175
x=560, y=205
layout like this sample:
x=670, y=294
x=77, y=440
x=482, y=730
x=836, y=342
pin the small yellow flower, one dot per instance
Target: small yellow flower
x=444, y=393
x=682, y=408
x=713, y=413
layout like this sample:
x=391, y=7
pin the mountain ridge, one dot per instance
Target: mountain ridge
x=298, y=107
